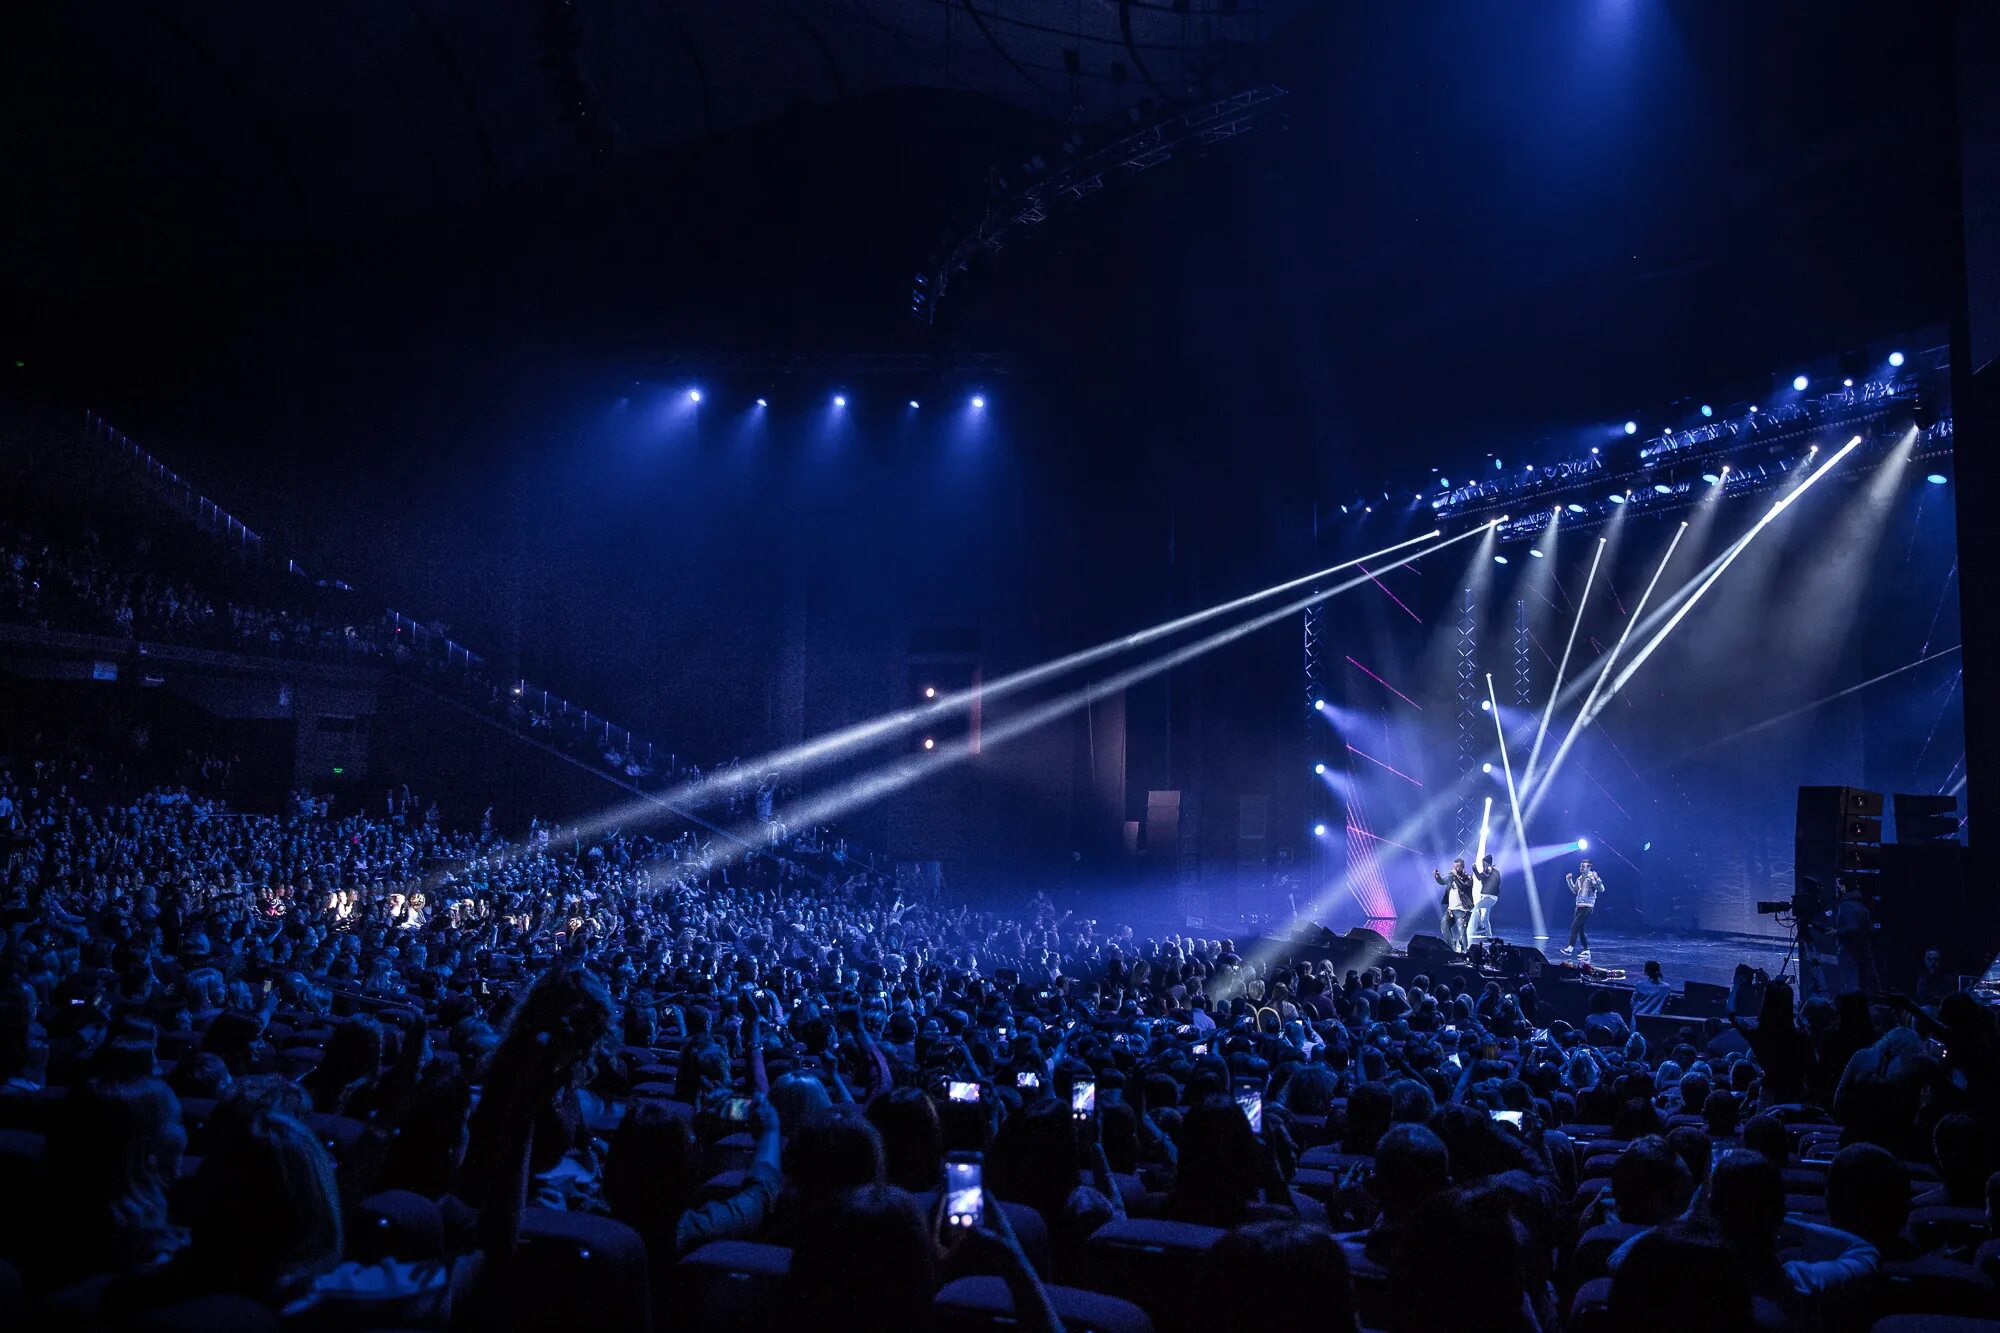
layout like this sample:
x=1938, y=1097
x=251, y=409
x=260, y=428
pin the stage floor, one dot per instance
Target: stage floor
x=1681, y=958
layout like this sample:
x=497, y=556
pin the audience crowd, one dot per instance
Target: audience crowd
x=350, y=1069
x=355, y=1070
x=157, y=585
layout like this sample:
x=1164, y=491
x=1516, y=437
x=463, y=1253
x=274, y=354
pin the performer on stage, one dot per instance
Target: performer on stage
x=1457, y=903
x=1584, y=886
x=1489, y=897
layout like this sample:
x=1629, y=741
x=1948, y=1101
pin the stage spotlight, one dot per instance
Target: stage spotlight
x=930, y=691
x=1661, y=488
x=930, y=742
x=1583, y=844
x=1593, y=449
x=1485, y=705
x=1616, y=498
x=1535, y=551
x=1711, y=478
x=1499, y=559
x=1319, y=705
x=1845, y=384
x=913, y=404
x=1896, y=359
x=1631, y=428
x=1319, y=830
x=1320, y=769
x=1799, y=382
x=1576, y=509
x=1496, y=465
x=1486, y=767
x=694, y=395
x=978, y=400
x=1707, y=411
x=1935, y=479
x=840, y=400
x=1445, y=482
x=762, y=403
x=1647, y=848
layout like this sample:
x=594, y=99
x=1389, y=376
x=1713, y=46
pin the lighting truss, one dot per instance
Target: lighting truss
x=1749, y=472
x=1213, y=122
x=1523, y=684
x=1468, y=711
x=1315, y=659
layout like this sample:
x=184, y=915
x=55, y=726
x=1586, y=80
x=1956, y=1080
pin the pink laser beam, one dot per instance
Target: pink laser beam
x=1392, y=596
x=1379, y=764
x=1385, y=685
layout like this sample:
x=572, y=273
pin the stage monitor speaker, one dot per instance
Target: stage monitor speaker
x=1371, y=938
x=1925, y=818
x=1701, y=999
x=1429, y=955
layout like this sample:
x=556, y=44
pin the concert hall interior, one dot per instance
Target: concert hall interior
x=639, y=636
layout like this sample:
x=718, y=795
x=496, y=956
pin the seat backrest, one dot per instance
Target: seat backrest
x=1591, y=1257
x=983, y=1304
x=337, y=1132
x=1938, y=1227
x=730, y=1286
x=1155, y=1264
x=396, y=1224
x=1936, y=1288
x=576, y=1270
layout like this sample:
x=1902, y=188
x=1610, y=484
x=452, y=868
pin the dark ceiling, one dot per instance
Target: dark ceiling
x=255, y=122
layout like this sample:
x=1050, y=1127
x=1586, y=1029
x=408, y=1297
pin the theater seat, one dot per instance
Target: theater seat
x=1315, y=1183
x=1935, y=1287
x=985, y=1305
x=337, y=1132
x=1592, y=1255
x=730, y=1286
x=1029, y=1229
x=1934, y=1323
x=1945, y=1227
x=209, y=1314
x=575, y=1270
x=1328, y=1158
x=396, y=1224
x=1590, y=1308
x=1154, y=1264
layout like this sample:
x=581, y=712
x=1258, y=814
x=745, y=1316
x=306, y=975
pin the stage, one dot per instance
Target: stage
x=1710, y=959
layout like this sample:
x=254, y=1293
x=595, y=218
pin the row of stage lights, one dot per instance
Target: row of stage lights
x=977, y=402
x=1800, y=383
x=1716, y=478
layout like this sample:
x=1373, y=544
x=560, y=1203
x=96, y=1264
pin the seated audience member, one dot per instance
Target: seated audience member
x=1679, y=1277
x=1868, y=1195
x=1958, y=1147
x=1649, y=1184
x=1766, y=1134
x=113, y=1151
x=912, y=1139
x=1489, y=1291
x=1295, y=1274
x=1746, y=1202
x=867, y=1259
x=652, y=1180
x=1412, y=1168
x=1651, y=992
